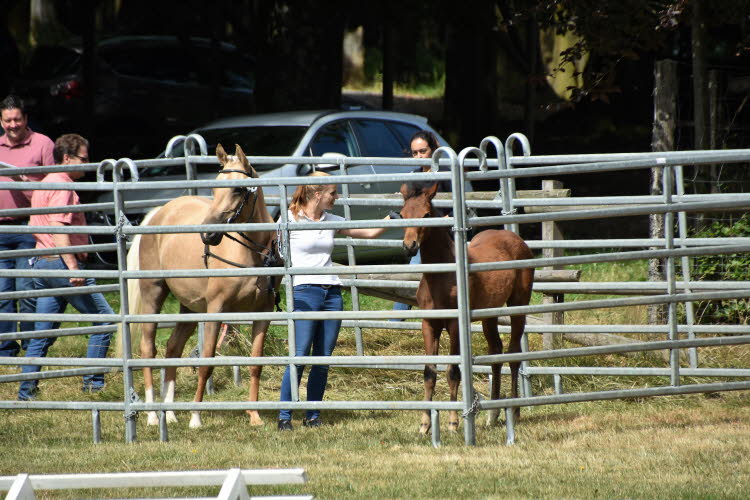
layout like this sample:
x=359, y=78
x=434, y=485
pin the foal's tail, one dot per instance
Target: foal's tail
x=134, y=289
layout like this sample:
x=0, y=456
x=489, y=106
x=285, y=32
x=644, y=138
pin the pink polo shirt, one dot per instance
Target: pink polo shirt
x=34, y=151
x=55, y=198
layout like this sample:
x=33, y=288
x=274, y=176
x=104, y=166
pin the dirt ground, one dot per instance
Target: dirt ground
x=432, y=108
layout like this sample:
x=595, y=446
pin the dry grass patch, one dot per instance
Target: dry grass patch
x=671, y=447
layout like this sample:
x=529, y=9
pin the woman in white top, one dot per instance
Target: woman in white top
x=313, y=248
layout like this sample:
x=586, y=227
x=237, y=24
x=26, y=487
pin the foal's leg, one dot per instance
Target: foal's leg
x=431, y=335
x=175, y=347
x=210, y=336
x=259, y=337
x=454, y=374
x=494, y=346
x=517, y=325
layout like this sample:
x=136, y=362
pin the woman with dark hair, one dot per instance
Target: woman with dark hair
x=422, y=145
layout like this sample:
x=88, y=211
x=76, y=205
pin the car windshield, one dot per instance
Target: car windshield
x=255, y=141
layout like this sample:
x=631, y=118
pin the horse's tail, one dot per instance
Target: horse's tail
x=134, y=289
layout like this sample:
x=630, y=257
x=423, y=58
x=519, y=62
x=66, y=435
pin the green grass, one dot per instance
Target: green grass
x=423, y=90
x=669, y=447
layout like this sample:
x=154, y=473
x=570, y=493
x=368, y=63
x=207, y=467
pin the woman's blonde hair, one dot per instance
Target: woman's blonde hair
x=305, y=193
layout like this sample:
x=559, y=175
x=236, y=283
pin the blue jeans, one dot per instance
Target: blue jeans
x=320, y=335
x=93, y=303
x=400, y=306
x=15, y=242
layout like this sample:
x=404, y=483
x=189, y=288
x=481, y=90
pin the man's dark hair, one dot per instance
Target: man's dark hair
x=68, y=144
x=13, y=102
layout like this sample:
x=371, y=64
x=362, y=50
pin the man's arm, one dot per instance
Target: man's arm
x=63, y=240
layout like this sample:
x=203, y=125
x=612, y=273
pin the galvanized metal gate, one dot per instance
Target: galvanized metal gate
x=470, y=164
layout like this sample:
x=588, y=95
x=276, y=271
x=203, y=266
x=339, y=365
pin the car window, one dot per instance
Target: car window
x=334, y=138
x=377, y=139
x=404, y=132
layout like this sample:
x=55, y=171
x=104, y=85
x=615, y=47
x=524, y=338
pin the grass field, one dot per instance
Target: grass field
x=669, y=447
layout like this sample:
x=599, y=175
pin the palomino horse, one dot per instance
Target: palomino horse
x=487, y=289
x=206, y=294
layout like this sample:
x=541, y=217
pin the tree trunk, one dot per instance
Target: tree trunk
x=715, y=121
x=700, y=76
x=700, y=99
x=532, y=47
x=300, y=54
x=88, y=18
x=354, y=58
x=470, y=79
x=663, y=139
x=388, y=58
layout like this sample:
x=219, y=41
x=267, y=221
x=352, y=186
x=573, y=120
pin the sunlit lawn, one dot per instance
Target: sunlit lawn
x=668, y=447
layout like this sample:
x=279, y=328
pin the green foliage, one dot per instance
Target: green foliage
x=426, y=79
x=725, y=267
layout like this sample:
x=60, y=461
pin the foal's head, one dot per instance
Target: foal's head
x=231, y=204
x=417, y=205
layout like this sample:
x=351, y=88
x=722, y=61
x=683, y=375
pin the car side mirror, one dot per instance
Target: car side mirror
x=308, y=168
x=305, y=169
x=329, y=166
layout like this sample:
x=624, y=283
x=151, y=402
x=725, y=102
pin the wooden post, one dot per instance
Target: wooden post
x=715, y=125
x=662, y=139
x=550, y=232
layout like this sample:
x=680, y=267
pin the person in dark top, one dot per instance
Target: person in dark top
x=422, y=145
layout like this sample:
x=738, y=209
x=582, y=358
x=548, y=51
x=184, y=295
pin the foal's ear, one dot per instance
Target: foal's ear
x=221, y=154
x=430, y=191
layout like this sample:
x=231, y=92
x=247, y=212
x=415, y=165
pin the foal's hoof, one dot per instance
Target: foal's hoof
x=452, y=426
x=493, y=418
x=255, y=419
x=424, y=428
x=195, y=421
x=516, y=414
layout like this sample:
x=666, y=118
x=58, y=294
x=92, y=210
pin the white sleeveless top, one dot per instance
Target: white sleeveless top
x=313, y=248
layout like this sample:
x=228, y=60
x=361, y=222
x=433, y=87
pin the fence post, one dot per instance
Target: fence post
x=550, y=232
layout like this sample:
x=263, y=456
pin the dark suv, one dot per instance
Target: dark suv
x=147, y=89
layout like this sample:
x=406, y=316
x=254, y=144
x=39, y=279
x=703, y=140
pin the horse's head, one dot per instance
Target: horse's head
x=231, y=204
x=417, y=205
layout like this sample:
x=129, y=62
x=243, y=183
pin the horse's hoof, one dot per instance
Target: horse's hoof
x=195, y=421
x=171, y=418
x=452, y=426
x=493, y=418
x=424, y=428
x=153, y=419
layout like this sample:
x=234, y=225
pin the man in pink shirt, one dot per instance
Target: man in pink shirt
x=70, y=149
x=19, y=147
